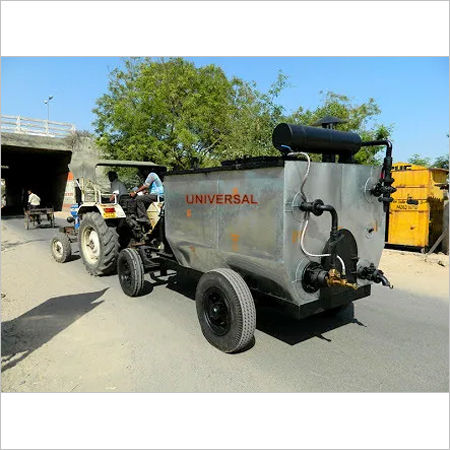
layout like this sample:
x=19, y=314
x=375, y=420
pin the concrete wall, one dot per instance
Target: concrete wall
x=42, y=164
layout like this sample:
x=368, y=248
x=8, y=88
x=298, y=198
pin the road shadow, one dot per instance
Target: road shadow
x=43, y=225
x=184, y=283
x=12, y=216
x=273, y=320
x=156, y=280
x=26, y=333
x=6, y=245
x=279, y=325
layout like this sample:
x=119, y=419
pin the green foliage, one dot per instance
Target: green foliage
x=419, y=160
x=441, y=161
x=255, y=115
x=166, y=111
x=172, y=113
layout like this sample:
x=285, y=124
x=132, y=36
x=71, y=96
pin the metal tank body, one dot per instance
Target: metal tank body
x=247, y=218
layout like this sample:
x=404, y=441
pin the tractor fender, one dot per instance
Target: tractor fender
x=106, y=210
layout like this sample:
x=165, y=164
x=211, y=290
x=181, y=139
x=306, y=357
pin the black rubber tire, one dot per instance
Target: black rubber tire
x=66, y=249
x=240, y=309
x=131, y=272
x=109, y=245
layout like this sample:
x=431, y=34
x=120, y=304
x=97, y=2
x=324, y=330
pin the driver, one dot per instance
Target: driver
x=155, y=188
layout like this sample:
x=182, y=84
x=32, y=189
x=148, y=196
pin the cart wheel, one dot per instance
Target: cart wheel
x=226, y=310
x=61, y=249
x=131, y=272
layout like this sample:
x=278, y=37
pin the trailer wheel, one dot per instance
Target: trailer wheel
x=61, y=249
x=131, y=272
x=99, y=244
x=226, y=310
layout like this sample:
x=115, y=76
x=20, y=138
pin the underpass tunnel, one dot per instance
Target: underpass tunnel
x=43, y=171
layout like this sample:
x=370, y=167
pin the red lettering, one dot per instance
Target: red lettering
x=253, y=202
x=245, y=199
x=220, y=199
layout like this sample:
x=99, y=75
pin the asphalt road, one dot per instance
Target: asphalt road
x=64, y=330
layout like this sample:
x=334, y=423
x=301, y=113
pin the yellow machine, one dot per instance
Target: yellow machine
x=415, y=214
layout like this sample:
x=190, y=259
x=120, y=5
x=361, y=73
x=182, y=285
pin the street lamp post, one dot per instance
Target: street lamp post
x=47, y=102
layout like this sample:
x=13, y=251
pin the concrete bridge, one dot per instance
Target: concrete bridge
x=35, y=154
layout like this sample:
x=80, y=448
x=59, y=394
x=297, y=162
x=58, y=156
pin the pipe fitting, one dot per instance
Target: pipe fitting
x=371, y=273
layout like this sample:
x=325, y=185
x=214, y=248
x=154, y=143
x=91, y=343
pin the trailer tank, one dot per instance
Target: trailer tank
x=246, y=216
x=307, y=234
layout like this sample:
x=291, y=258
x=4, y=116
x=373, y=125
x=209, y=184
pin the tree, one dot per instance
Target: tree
x=441, y=161
x=255, y=115
x=166, y=111
x=419, y=160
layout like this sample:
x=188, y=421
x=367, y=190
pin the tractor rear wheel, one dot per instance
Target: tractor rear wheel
x=99, y=244
x=61, y=249
x=226, y=310
x=131, y=272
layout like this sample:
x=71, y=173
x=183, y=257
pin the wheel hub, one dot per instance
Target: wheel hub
x=91, y=245
x=125, y=273
x=58, y=248
x=216, y=312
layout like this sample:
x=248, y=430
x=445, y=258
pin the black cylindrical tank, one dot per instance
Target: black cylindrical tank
x=315, y=140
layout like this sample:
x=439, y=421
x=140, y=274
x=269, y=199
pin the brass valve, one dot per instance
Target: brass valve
x=334, y=279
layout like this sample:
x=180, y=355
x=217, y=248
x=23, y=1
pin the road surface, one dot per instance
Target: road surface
x=66, y=331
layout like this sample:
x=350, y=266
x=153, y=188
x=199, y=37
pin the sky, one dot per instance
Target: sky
x=412, y=93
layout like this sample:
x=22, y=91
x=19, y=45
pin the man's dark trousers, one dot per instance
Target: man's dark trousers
x=142, y=203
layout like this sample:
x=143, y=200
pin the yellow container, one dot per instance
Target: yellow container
x=415, y=214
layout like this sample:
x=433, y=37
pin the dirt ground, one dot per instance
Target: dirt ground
x=65, y=331
x=414, y=272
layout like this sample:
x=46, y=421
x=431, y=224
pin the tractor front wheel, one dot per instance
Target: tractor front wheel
x=61, y=249
x=99, y=244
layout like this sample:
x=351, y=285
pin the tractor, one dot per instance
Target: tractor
x=101, y=226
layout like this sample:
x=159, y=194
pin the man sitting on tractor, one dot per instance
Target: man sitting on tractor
x=156, y=189
x=117, y=187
